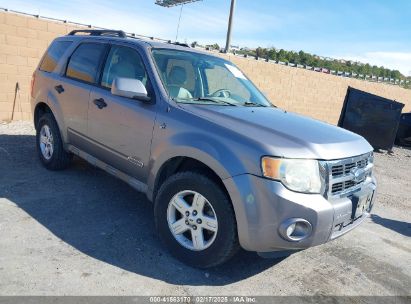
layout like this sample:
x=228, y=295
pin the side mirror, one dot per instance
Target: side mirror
x=130, y=88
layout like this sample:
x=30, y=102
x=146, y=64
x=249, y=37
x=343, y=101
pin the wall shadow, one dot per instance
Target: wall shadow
x=400, y=227
x=103, y=217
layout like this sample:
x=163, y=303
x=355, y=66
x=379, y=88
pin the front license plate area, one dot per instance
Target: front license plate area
x=360, y=204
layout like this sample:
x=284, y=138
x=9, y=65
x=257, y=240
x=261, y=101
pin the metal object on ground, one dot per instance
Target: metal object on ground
x=371, y=116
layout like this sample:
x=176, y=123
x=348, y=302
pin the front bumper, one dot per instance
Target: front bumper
x=262, y=205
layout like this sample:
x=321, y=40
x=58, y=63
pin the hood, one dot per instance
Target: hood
x=285, y=134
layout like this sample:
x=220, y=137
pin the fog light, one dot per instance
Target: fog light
x=295, y=229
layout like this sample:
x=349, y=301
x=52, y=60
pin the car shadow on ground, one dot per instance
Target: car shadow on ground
x=400, y=227
x=103, y=217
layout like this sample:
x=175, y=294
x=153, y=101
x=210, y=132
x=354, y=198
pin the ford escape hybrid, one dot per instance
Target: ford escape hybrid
x=222, y=165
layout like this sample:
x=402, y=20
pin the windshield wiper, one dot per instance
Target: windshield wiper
x=214, y=100
x=250, y=103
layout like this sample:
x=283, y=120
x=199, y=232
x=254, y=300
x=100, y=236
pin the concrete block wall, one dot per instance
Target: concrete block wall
x=23, y=40
x=314, y=94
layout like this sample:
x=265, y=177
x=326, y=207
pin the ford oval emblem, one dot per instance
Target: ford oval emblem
x=359, y=174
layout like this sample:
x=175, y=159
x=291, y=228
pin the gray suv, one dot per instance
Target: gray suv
x=222, y=165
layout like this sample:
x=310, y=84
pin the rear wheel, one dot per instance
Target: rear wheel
x=50, y=145
x=195, y=220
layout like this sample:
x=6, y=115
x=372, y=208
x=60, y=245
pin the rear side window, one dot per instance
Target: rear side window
x=53, y=55
x=84, y=62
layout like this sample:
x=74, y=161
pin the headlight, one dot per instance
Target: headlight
x=300, y=175
x=371, y=158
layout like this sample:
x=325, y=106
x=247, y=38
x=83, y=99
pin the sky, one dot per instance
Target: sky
x=371, y=31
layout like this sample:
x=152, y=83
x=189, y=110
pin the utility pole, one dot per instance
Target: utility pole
x=230, y=23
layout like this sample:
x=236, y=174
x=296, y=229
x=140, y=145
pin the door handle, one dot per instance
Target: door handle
x=59, y=88
x=100, y=103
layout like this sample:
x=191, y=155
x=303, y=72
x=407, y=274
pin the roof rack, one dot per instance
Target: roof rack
x=122, y=34
x=135, y=36
x=178, y=43
x=110, y=33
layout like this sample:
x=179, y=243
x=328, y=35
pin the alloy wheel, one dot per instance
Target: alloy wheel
x=46, y=142
x=192, y=220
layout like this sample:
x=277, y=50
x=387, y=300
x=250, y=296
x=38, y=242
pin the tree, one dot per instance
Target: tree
x=281, y=55
x=367, y=69
x=303, y=57
x=260, y=52
x=396, y=74
x=214, y=46
x=312, y=60
x=272, y=54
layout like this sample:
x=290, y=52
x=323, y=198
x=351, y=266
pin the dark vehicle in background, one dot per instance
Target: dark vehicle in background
x=374, y=117
x=404, y=130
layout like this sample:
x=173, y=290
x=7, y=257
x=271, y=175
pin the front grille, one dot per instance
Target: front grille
x=338, y=170
x=341, y=175
x=339, y=187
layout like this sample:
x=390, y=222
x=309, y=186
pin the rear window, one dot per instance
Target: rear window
x=84, y=62
x=54, y=53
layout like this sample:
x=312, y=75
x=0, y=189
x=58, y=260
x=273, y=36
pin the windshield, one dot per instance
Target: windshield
x=191, y=77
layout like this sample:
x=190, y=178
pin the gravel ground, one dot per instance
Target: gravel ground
x=83, y=232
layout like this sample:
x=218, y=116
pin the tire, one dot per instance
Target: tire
x=222, y=244
x=50, y=148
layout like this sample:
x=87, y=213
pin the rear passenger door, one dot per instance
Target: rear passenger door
x=74, y=86
x=121, y=131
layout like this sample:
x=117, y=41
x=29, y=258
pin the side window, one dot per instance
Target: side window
x=123, y=62
x=84, y=62
x=53, y=55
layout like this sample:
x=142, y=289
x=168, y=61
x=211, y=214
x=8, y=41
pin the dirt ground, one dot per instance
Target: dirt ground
x=83, y=232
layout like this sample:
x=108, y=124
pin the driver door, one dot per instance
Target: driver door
x=121, y=129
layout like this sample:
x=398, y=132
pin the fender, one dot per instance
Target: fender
x=205, y=149
x=55, y=107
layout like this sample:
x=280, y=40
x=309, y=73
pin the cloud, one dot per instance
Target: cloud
x=393, y=60
x=146, y=18
x=209, y=24
x=206, y=22
x=110, y=16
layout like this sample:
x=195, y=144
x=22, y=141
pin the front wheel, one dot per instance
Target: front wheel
x=195, y=220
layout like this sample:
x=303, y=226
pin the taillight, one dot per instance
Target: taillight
x=33, y=78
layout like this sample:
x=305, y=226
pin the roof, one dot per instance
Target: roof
x=142, y=41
